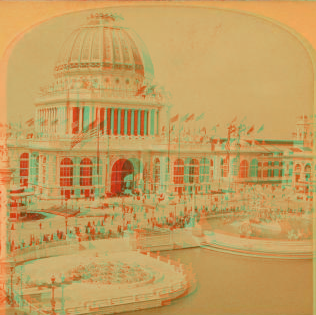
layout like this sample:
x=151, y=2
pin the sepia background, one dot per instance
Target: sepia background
x=215, y=61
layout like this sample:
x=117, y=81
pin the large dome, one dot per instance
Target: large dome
x=103, y=45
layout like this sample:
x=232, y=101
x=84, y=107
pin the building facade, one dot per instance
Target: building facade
x=103, y=127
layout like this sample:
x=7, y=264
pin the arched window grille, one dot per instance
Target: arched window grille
x=243, y=171
x=178, y=174
x=254, y=168
x=204, y=170
x=297, y=172
x=265, y=170
x=156, y=174
x=24, y=169
x=66, y=172
x=86, y=172
x=211, y=168
x=224, y=167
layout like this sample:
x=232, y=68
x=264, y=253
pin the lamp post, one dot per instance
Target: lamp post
x=12, y=268
x=62, y=295
x=53, y=279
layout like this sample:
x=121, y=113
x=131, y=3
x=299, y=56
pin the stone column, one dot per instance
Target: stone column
x=125, y=121
x=71, y=119
x=80, y=119
x=49, y=120
x=105, y=123
x=139, y=122
x=112, y=121
x=119, y=121
x=132, y=122
x=157, y=122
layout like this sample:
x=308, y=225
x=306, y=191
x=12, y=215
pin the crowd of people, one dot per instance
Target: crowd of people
x=128, y=217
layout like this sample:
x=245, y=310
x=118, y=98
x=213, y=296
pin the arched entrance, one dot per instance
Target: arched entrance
x=122, y=176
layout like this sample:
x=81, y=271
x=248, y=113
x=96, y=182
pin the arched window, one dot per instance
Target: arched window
x=297, y=172
x=234, y=169
x=308, y=170
x=156, y=174
x=86, y=172
x=260, y=171
x=224, y=167
x=254, y=168
x=193, y=171
x=178, y=173
x=281, y=170
x=204, y=170
x=66, y=172
x=265, y=170
x=275, y=170
x=34, y=168
x=243, y=171
x=270, y=171
x=211, y=168
x=44, y=170
x=24, y=169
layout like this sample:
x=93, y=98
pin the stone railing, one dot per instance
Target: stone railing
x=260, y=246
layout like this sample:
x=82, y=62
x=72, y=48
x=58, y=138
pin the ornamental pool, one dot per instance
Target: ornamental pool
x=231, y=285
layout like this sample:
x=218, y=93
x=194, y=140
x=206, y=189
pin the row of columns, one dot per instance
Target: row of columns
x=51, y=120
x=114, y=121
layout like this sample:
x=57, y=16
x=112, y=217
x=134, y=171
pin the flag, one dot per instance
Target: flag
x=231, y=129
x=200, y=117
x=203, y=130
x=227, y=145
x=214, y=128
x=141, y=90
x=184, y=117
x=30, y=122
x=151, y=89
x=83, y=136
x=174, y=118
x=260, y=129
x=75, y=124
x=92, y=131
x=191, y=117
x=251, y=129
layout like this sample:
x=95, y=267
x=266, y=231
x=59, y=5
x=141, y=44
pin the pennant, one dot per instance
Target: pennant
x=30, y=122
x=200, y=117
x=260, y=129
x=184, y=117
x=234, y=119
x=174, y=118
x=251, y=129
x=141, y=90
x=191, y=117
x=151, y=90
x=214, y=128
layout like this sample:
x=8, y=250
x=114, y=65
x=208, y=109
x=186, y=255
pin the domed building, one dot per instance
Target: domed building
x=101, y=113
x=103, y=127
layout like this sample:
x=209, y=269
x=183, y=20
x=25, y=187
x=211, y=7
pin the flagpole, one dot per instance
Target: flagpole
x=98, y=150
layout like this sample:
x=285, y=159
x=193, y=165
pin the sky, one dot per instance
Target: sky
x=220, y=63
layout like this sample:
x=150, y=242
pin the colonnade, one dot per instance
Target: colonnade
x=113, y=120
x=51, y=120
